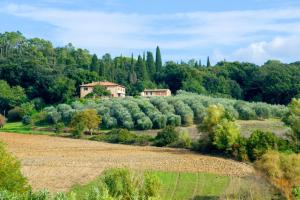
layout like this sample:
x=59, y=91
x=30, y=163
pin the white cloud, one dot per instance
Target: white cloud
x=254, y=35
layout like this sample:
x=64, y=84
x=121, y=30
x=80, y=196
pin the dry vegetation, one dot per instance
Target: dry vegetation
x=58, y=163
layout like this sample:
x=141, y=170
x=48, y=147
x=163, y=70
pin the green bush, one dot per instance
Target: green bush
x=226, y=135
x=15, y=114
x=184, y=141
x=26, y=120
x=167, y=136
x=59, y=127
x=123, y=184
x=123, y=136
x=260, y=142
x=245, y=111
x=11, y=179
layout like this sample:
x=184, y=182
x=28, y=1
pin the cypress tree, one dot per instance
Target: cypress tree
x=200, y=64
x=141, y=69
x=132, y=74
x=208, y=62
x=151, y=68
x=95, y=64
x=158, y=61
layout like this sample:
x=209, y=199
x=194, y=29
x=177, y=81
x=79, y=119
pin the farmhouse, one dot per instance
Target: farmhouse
x=156, y=92
x=115, y=89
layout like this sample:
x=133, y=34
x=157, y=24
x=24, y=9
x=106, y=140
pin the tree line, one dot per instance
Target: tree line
x=43, y=73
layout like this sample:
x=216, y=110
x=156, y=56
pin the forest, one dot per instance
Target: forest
x=37, y=71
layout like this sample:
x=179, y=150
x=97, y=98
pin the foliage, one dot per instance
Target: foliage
x=59, y=127
x=87, y=119
x=226, y=134
x=10, y=96
x=12, y=179
x=123, y=184
x=183, y=141
x=292, y=118
x=15, y=114
x=100, y=91
x=260, y=142
x=123, y=136
x=167, y=136
x=282, y=169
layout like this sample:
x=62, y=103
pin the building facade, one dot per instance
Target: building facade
x=156, y=93
x=115, y=89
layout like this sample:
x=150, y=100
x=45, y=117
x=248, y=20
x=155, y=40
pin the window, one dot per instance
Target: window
x=85, y=88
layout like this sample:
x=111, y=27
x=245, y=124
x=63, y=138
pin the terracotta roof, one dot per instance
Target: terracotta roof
x=156, y=90
x=101, y=83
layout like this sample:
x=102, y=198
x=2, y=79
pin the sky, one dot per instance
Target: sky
x=235, y=30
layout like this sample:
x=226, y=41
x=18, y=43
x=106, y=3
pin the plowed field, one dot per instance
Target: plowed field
x=58, y=163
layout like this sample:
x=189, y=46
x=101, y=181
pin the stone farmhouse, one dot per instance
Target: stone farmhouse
x=115, y=89
x=156, y=92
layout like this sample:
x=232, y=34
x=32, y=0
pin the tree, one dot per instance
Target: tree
x=208, y=62
x=150, y=64
x=167, y=136
x=226, y=134
x=87, y=119
x=292, y=119
x=95, y=64
x=141, y=70
x=158, y=60
x=100, y=91
x=11, y=179
x=10, y=96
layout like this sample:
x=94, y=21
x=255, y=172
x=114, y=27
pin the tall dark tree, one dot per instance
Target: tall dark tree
x=132, y=73
x=158, y=60
x=95, y=64
x=141, y=71
x=208, y=62
x=150, y=63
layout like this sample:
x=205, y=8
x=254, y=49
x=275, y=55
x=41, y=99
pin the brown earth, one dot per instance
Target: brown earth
x=58, y=163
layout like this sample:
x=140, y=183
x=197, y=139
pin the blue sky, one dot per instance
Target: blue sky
x=252, y=30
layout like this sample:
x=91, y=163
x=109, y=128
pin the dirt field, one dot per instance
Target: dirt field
x=58, y=163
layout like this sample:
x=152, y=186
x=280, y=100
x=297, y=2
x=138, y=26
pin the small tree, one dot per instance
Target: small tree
x=100, y=91
x=226, y=134
x=87, y=119
x=2, y=121
x=11, y=179
x=167, y=136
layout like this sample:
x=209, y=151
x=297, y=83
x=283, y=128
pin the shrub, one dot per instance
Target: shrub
x=59, y=127
x=226, y=134
x=124, y=184
x=27, y=109
x=167, y=136
x=245, y=111
x=11, y=179
x=282, y=169
x=87, y=119
x=78, y=129
x=2, y=121
x=26, y=120
x=144, y=123
x=123, y=136
x=109, y=122
x=40, y=118
x=260, y=142
x=173, y=120
x=262, y=110
x=184, y=141
x=15, y=114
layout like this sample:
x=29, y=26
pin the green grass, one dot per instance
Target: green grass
x=177, y=186
x=18, y=127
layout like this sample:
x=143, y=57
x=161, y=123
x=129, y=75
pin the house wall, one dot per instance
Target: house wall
x=85, y=91
x=116, y=91
x=156, y=93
